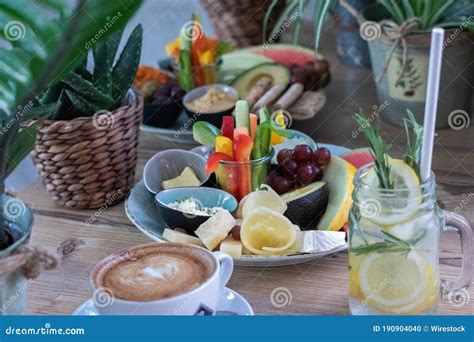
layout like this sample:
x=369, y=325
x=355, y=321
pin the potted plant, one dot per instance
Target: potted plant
x=38, y=47
x=239, y=21
x=86, y=152
x=398, y=34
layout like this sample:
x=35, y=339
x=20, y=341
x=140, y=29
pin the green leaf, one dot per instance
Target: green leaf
x=409, y=12
x=125, y=69
x=25, y=19
x=85, y=107
x=435, y=17
x=320, y=13
x=95, y=18
x=21, y=146
x=268, y=13
x=299, y=21
x=87, y=89
x=13, y=67
x=222, y=48
x=104, y=55
x=290, y=8
x=40, y=112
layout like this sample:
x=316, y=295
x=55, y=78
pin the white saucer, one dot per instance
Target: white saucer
x=230, y=303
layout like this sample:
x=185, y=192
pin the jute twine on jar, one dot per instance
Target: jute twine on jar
x=388, y=31
x=32, y=260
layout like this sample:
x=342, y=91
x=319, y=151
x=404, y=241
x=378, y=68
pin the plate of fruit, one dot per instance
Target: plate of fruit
x=276, y=76
x=260, y=213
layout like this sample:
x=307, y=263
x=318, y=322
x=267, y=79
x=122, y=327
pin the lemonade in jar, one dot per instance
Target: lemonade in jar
x=394, y=229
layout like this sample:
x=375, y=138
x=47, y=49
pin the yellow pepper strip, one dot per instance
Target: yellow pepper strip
x=205, y=57
x=224, y=145
x=280, y=120
x=172, y=48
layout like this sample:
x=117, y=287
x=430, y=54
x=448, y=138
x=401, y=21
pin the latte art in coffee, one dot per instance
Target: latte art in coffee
x=155, y=272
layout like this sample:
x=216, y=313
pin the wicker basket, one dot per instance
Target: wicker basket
x=89, y=162
x=241, y=21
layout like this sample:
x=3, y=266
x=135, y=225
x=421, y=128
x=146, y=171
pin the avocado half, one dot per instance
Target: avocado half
x=247, y=79
x=306, y=205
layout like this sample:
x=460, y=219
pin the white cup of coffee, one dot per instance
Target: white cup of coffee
x=160, y=279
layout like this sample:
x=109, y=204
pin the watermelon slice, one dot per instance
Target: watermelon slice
x=359, y=157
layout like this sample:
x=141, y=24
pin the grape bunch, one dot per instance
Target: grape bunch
x=298, y=167
x=311, y=74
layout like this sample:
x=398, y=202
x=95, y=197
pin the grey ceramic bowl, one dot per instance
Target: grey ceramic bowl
x=169, y=164
x=216, y=117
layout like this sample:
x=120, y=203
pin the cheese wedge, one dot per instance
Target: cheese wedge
x=186, y=178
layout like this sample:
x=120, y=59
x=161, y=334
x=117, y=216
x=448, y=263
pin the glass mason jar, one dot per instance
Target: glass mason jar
x=18, y=220
x=241, y=178
x=393, y=249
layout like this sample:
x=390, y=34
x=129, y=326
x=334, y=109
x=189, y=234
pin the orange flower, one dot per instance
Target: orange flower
x=172, y=48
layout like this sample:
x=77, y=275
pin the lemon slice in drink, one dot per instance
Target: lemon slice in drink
x=388, y=211
x=397, y=283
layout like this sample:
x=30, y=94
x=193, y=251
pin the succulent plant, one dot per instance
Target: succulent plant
x=38, y=45
x=83, y=92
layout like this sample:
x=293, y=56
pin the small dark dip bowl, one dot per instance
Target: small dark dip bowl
x=213, y=118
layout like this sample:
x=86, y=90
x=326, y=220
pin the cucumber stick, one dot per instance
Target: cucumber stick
x=262, y=137
x=261, y=148
x=185, y=75
x=242, y=114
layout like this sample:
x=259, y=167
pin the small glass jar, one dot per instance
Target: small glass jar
x=241, y=178
x=394, y=247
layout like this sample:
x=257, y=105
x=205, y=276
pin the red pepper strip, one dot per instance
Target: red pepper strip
x=213, y=161
x=242, y=147
x=232, y=185
x=228, y=127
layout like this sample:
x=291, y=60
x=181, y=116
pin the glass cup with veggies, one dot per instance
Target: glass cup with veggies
x=242, y=148
x=394, y=229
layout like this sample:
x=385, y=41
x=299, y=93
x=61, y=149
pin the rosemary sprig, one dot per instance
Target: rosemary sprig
x=390, y=244
x=412, y=154
x=378, y=148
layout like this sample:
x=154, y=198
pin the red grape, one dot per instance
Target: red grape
x=306, y=173
x=321, y=156
x=235, y=231
x=289, y=166
x=318, y=175
x=302, y=153
x=281, y=185
x=283, y=155
x=322, y=66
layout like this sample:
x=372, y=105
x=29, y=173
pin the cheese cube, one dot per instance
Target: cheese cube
x=215, y=229
x=231, y=247
x=178, y=237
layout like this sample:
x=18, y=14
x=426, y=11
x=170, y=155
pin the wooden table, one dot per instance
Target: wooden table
x=317, y=288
